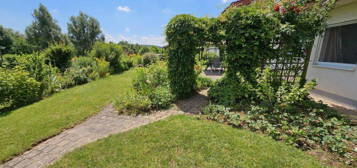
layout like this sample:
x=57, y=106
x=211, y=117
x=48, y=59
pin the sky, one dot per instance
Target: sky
x=136, y=21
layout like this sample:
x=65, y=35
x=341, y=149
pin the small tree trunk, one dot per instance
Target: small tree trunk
x=306, y=65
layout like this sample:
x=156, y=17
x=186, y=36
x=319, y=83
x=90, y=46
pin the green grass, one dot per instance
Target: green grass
x=22, y=128
x=183, y=141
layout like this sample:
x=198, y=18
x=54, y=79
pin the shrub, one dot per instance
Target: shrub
x=151, y=77
x=133, y=104
x=59, y=55
x=9, y=61
x=110, y=52
x=17, y=88
x=65, y=81
x=130, y=61
x=39, y=70
x=151, y=91
x=161, y=97
x=249, y=32
x=203, y=83
x=183, y=35
x=231, y=92
x=82, y=70
x=150, y=58
x=103, y=68
x=143, y=50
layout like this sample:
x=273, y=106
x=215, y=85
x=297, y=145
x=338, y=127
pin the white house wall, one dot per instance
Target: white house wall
x=337, y=84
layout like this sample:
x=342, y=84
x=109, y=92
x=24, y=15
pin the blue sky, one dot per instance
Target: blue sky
x=136, y=21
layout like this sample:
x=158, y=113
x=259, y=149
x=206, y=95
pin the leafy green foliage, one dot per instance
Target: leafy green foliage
x=144, y=50
x=130, y=61
x=183, y=35
x=59, y=55
x=9, y=61
x=249, y=33
x=151, y=77
x=36, y=65
x=17, y=89
x=14, y=42
x=161, y=97
x=110, y=52
x=151, y=86
x=103, y=68
x=286, y=113
x=150, y=58
x=83, y=31
x=137, y=49
x=203, y=83
x=133, y=104
x=220, y=113
x=49, y=117
x=82, y=70
x=5, y=41
x=231, y=92
x=44, y=30
x=153, y=81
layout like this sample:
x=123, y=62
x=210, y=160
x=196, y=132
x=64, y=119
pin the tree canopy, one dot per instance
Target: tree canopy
x=84, y=31
x=44, y=29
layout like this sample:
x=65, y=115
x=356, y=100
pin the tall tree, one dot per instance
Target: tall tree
x=44, y=29
x=5, y=41
x=84, y=31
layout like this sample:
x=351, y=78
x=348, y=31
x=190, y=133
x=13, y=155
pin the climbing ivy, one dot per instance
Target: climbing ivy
x=184, y=34
x=249, y=33
x=247, y=37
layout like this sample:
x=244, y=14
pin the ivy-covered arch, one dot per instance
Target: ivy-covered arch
x=184, y=37
x=249, y=37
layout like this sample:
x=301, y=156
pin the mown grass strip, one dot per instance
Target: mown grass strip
x=24, y=127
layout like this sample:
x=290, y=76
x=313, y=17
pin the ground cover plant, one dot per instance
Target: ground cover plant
x=184, y=141
x=26, y=126
x=286, y=113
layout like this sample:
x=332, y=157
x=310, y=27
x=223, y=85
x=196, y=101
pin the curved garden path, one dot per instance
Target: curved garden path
x=103, y=124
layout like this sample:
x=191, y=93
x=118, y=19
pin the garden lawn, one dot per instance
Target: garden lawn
x=24, y=127
x=183, y=141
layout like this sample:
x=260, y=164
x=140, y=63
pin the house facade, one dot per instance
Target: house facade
x=333, y=61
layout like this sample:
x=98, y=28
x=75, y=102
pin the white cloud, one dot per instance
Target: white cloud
x=124, y=8
x=146, y=40
x=54, y=11
x=226, y=1
x=127, y=30
x=135, y=39
x=166, y=11
x=110, y=38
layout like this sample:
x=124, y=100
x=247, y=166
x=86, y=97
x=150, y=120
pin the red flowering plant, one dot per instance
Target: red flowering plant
x=301, y=21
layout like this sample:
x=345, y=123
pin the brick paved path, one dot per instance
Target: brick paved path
x=105, y=123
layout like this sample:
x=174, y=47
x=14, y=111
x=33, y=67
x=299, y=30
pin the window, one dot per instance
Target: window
x=340, y=45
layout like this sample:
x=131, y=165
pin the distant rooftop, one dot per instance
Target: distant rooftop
x=239, y=3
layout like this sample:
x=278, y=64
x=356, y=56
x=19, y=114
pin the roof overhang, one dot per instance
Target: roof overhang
x=344, y=2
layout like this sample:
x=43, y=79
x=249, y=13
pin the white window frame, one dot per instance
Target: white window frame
x=332, y=65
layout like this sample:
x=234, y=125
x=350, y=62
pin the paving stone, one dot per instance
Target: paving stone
x=105, y=123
